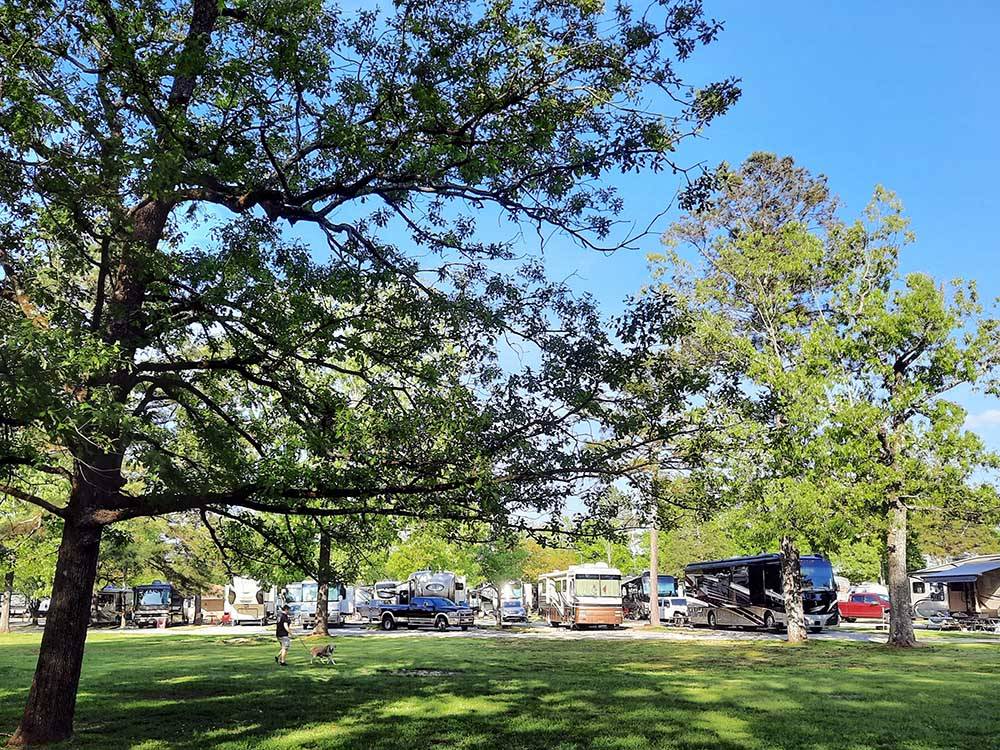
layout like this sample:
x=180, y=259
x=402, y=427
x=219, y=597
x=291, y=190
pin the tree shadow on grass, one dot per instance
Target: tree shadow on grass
x=197, y=692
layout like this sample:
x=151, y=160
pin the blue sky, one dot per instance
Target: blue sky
x=894, y=93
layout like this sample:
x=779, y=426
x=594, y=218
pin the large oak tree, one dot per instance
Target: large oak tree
x=241, y=266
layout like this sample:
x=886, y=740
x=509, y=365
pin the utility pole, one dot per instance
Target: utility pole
x=654, y=576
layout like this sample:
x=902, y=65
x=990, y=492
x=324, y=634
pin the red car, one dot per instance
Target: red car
x=863, y=606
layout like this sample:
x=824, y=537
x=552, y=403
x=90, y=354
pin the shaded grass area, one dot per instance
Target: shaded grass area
x=191, y=691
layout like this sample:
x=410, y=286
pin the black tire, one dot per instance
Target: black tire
x=847, y=619
x=678, y=620
x=816, y=629
x=388, y=622
x=712, y=622
x=768, y=621
x=465, y=627
x=441, y=623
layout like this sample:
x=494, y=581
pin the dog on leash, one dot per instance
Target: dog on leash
x=322, y=654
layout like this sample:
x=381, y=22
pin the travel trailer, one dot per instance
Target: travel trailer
x=248, y=602
x=582, y=595
x=970, y=586
x=434, y=583
x=158, y=603
x=747, y=591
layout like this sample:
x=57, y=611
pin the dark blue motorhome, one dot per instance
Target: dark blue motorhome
x=747, y=591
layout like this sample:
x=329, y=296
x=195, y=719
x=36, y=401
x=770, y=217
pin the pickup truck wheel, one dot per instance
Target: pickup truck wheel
x=441, y=623
x=465, y=627
x=388, y=622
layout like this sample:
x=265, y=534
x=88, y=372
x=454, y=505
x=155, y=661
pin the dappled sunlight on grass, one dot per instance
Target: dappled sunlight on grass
x=191, y=693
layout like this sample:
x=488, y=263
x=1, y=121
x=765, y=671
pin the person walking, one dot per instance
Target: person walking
x=284, y=635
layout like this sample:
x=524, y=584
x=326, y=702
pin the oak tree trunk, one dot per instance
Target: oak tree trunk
x=654, y=576
x=197, y=620
x=900, y=610
x=8, y=595
x=791, y=584
x=323, y=586
x=48, y=715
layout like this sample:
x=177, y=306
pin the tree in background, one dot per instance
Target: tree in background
x=749, y=268
x=905, y=343
x=28, y=542
x=838, y=367
x=170, y=345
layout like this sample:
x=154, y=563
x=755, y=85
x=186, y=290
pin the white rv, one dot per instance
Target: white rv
x=435, y=583
x=301, y=600
x=582, y=595
x=247, y=601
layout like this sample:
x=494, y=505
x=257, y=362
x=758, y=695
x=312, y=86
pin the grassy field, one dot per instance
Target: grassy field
x=181, y=691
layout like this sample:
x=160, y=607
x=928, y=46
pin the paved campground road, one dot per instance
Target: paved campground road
x=859, y=632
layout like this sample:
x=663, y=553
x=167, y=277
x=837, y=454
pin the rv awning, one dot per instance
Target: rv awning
x=967, y=573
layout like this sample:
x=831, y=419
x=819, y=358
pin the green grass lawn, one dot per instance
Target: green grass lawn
x=191, y=691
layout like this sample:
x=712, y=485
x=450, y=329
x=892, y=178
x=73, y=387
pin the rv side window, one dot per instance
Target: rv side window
x=741, y=576
x=918, y=587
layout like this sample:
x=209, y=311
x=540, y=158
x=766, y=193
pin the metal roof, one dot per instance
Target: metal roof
x=967, y=573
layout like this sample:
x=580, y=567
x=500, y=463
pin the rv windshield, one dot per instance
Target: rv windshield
x=155, y=598
x=598, y=585
x=817, y=574
x=667, y=585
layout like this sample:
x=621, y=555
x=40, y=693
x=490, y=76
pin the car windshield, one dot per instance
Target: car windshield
x=817, y=574
x=512, y=605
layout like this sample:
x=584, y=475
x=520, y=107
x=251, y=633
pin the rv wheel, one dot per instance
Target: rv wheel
x=711, y=620
x=768, y=621
x=388, y=623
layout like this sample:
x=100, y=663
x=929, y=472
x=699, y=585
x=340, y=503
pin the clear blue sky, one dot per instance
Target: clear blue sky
x=904, y=94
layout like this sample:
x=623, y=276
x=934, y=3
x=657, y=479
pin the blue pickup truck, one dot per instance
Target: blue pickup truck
x=427, y=611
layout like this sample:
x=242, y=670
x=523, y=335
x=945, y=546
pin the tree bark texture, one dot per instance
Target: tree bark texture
x=654, y=576
x=323, y=586
x=8, y=595
x=900, y=610
x=791, y=584
x=48, y=715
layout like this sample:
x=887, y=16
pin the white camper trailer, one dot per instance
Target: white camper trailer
x=247, y=601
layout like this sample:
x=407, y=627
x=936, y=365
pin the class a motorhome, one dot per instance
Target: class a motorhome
x=248, y=602
x=969, y=586
x=581, y=595
x=301, y=599
x=748, y=591
x=158, y=602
